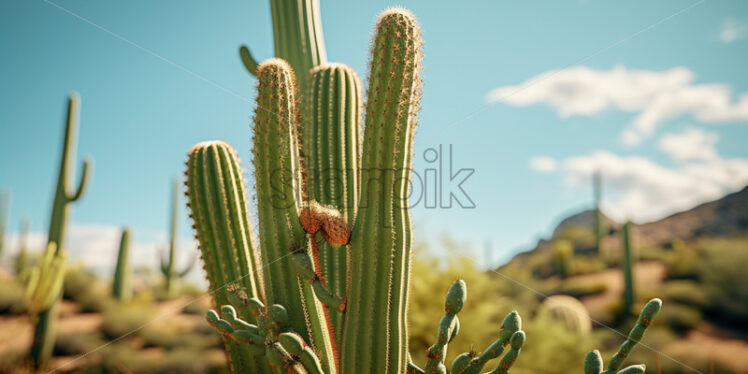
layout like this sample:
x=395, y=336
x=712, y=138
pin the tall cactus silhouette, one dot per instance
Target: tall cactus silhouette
x=121, y=285
x=44, y=328
x=599, y=224
x=325, y=291
x=4, y=213
x=626, y=264
x=22, y=258
x=168, y=265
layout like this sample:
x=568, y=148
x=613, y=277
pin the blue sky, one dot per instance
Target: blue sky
x=650, y=92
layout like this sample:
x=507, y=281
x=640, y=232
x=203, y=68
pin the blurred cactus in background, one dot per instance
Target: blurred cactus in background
x=168, y=265
x=45, y=280
x=569, y=311
x=121, y=285
x=22, y=258
x=599, y=223
x=4, y=214
x=627, y=264
x=44, y=329
x=563, y=251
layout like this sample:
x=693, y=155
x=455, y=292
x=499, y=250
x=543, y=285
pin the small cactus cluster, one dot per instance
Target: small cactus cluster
x=45, y=321
x=121, y=286
x=593, y=362
x=168, y=264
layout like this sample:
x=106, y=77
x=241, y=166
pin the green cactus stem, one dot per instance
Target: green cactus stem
x=168, y=266
x=218, y=206
x=45, y=280
x=44, y=334
x=4, y=213
x=297, y=36
x=449, y=326
x=122, y=285
x=593, y=362
x=375, y=332
x=278, y=176
x=22, y=258
x=331, y=152
x=626, y=266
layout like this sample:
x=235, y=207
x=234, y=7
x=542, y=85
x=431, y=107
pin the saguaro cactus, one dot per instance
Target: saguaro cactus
x=44, y=329
x=626, y=265
x=4, y=212
x=121, y=286
x=599, y=225
x=22, y=258
x=168, y=265
x=593, y=362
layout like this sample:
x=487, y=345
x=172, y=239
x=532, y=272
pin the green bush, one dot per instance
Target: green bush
x=580, y=289
x=680, y=318
x=125, y=319
x=12, y=299
x=685, y=292
x=724, y=277
x=77, y=343
x=78, y=282
x=191, y=361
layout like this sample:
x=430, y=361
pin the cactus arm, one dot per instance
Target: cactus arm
x=249, y=62
x=187, y=268
x=121, y=286
x=278, y=173
x=593, y=362
x=83, y=181
x=448, y=328
x=217, y=202
x=646, y=316
x=515, y=346
x=375, y=331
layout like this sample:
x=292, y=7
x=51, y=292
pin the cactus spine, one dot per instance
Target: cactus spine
x=121, y=286
x=331, y=151
x=593, y=362
x=626, y=264
x=44, y=330
x=168, y=266
x=4, y=213
x=599, y=225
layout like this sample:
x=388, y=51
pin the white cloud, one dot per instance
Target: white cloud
x=96, y=247
x=543, y=164
x=732, y=30
x=692, y=144
x=637, y=188
x=654, y=96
